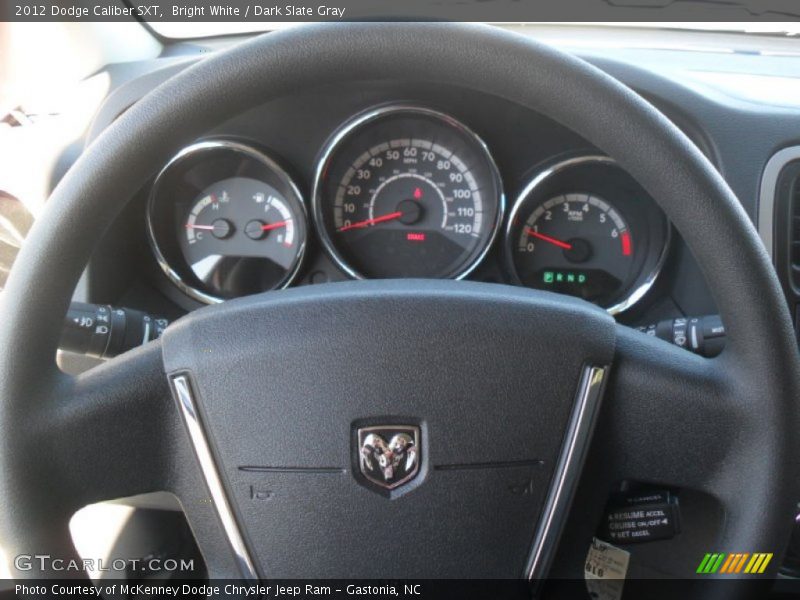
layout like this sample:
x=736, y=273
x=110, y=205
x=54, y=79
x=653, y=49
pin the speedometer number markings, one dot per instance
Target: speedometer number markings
x=431, y=166
x=408, y=205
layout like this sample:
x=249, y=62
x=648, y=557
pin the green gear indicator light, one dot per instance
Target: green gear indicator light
x=563, y=277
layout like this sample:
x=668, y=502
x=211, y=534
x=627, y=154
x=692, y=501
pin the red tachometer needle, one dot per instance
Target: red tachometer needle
x=547, y=238
x=367, y=222
x=271, y=226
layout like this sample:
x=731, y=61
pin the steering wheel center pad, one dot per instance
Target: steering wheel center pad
x=488, y=374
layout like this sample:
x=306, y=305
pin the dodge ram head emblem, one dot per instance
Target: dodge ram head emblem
x=389, y=456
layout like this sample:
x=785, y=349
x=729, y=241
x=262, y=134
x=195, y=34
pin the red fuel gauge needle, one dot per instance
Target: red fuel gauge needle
x=547, y=238
x=359, y=224
x=276, y=225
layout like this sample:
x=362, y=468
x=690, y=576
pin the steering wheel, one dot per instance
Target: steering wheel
x=263, y=439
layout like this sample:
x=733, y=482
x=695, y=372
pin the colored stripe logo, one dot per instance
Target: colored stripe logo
x=743, y=562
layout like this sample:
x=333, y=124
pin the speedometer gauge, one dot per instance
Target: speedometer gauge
x=407, y=192
x=584, y=227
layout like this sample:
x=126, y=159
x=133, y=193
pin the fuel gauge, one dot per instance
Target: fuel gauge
x=230, y=236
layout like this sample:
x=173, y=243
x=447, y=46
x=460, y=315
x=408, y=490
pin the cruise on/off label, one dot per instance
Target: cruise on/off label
x=641, y=518
x=628, y=525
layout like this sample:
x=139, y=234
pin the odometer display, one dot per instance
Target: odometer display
x=407, y=192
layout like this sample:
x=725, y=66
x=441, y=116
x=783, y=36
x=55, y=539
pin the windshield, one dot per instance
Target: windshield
x=194, y=29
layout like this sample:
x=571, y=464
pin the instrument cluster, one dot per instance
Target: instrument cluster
x=402, y=191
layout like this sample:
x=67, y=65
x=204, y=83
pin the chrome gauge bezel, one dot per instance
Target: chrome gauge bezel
x=641, y=285
x=354, y=125
x=207, y=147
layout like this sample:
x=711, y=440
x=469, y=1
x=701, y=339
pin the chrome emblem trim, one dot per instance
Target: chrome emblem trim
x=567, y=472
x=389, y=455
x=183, y=392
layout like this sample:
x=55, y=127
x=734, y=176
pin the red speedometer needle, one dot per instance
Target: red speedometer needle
x=359, y=224
x=549, y=239
x=275, y=225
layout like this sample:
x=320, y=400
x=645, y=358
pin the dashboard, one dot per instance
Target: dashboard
x=398, y=191
x=540, y=186
x=394, y=180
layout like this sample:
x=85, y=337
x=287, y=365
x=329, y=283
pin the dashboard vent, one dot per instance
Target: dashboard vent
x=794, y=233
x=785, y=226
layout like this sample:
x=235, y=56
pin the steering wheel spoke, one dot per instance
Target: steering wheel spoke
x=672, y=416
x=109, y=433
x=111, y=427
x=672, y=420
x=99, y=436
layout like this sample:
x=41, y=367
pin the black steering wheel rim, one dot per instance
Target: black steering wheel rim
x=759, y=365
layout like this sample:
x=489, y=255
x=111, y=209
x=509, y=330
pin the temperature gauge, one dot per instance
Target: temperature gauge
x=235, y=235
x=242, y=236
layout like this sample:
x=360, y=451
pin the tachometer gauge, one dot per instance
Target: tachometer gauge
x=585, y=228
x=407, y=192
x=576, y=244
x=226, y=221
